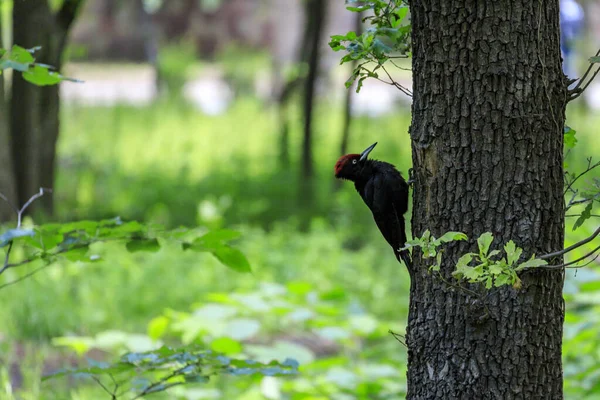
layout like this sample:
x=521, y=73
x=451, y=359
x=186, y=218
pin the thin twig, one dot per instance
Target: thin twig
x=587, y=71
x=6, y=264
x=579, y=215
x=35, y=271
x=581, y=90
x=99, y=382
x=573, y=247
x=151, y=388
x=397, y=336
x=28, y=203
x=588, y=169
x=570, y=263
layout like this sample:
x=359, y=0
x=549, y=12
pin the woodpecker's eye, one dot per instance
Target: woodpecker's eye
x=354, y=161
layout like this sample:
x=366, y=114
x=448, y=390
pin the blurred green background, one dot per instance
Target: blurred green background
x=192, y=135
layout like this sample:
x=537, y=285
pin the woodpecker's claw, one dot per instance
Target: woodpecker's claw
x=411, y=177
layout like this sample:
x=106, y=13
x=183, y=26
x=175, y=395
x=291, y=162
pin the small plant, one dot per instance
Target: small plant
x=483, y=267
x=387, y=39
x=494, y=272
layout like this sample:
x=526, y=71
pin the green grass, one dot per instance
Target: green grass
x=169, y=164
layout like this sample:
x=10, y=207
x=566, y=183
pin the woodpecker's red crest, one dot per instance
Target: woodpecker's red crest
x=350, y=165
x=343, y=166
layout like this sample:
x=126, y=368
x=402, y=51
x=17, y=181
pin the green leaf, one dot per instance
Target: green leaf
x=594, y=60
x=221, y=235
x=495, y=269
x=232, y=258
x=493, y=253
x=41, y=76
x=464, y=260
x=157, y=327
x=483, y=242
x=569, y=137
x=11, y=234
x=451, y=236
x=136, y=245
x=531, y=263
x=21, y=55
x=502, y=280
x=77, y=253
x=226, y=346
x=585, y=214
x=513, y=253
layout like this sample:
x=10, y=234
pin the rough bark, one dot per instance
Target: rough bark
x=35, y=110
x=487, y=129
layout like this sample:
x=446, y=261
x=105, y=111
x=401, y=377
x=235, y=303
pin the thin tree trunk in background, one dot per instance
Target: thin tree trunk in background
x=350, y=92
x=30, y=28
x=315, y=11
x=35, y=111
x=7, y=178
x=487, y=142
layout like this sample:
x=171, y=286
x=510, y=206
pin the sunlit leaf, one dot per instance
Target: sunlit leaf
x=157, y=327
x=226, y=345
x=484, y=241
x=232, y=258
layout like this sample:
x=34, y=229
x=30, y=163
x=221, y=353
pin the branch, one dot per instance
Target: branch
x=152, y=388
x=42, y=192
x=19, y=217
x=35, y=271
x=570, y=263
x=577, y=90
x=571, y=248
x=400, y=338
x=588, y=169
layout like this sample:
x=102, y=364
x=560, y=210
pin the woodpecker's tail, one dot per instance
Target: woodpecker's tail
x=404, y=255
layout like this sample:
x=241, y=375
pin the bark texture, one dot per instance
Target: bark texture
x=487, y=136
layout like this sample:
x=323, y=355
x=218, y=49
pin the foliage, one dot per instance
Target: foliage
x=387, y=38
x=159, y=370
x=22, y=60
x=50, y=242
x=488, y=268
x=494, y=272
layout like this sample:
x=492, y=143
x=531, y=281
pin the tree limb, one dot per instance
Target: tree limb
x=570, y=263
x=571, y=248
x=577, y=90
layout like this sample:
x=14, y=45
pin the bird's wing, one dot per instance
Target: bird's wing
x=381, y=196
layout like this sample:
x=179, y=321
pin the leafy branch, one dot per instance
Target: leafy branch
x=22, y=60
x=49, y=243
x=159, y=370
x=387, y=39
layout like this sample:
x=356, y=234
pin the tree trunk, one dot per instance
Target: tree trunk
x=7, y=178
x=487, y=141
x=350, y=92
x=315, y=14
x=35, y=110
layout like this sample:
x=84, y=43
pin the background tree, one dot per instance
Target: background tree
x=34, y=111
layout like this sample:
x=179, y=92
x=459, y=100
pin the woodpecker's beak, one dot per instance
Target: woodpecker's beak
x=365, y=154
